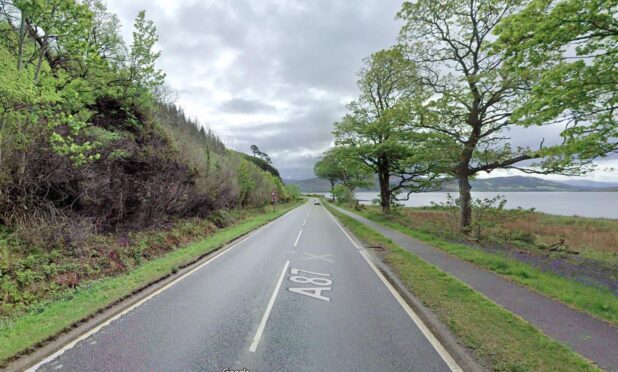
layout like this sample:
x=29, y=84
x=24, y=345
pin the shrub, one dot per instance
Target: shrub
x=343, y=195
x=293, y=191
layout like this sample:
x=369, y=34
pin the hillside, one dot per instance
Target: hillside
x=586, y=184
x=608, y=189
x=97, y=164
x=310, y=184
x=504, y=184
x=95, y=146
x=514, y=183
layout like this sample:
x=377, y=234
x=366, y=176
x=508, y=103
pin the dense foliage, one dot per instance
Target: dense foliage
x=262, y=164
x=465, y=74
x=89, y=140
x=378, y=129
x=344, y=169
x=569, y=47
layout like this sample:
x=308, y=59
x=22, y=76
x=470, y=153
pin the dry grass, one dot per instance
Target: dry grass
x=586, y=283
x=30, y=275
x=590, y=236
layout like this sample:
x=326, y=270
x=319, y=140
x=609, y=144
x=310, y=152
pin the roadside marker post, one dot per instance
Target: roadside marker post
x=274, y=198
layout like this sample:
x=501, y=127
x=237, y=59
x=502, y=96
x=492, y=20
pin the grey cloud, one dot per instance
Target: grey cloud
x=283, y=51
x=245, y=106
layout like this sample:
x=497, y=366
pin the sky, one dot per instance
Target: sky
x=274, y=73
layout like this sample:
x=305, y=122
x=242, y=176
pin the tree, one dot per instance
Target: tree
x=104, y=35
x=337, y=168
x=474, y=94
x=51, y=31
x=142, y=69
x=262, y=155
x=570, y=50
x=379, y=132
x=51, y=48
x=328, y=169
x=255, y=150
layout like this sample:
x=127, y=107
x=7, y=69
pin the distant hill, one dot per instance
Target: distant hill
x=608, y=189
x=514, y=183
x=311, y=185
x=591, y=184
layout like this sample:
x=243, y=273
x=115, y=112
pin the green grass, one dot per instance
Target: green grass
x=597, y=301
x=499, y=339
x=21, y=333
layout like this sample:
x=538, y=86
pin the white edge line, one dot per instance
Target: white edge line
x=354, y=243
x=444, y=354
x=260, y=330
x=84, y=336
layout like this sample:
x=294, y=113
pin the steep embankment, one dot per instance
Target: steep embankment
x=97, y=173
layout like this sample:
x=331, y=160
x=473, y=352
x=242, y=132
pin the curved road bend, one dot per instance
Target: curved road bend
x=297, y=295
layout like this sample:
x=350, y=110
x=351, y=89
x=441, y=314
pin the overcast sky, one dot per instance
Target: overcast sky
x=275, y=73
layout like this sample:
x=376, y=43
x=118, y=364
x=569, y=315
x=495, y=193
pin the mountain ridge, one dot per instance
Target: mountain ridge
x=503, y=184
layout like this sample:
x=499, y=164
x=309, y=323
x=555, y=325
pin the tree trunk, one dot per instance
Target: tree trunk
x=39, y=65
x=385, y=193
x=465, y=201
x=22, y=33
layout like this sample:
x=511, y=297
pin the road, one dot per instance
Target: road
x=297, y=294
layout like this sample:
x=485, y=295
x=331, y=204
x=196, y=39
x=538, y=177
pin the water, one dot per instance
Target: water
x=585, y=204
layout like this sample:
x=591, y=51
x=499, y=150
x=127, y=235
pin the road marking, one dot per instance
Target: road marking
x=313, y=292
x=298, y=238
x=307, y=217
x=444, y=354
x=260, y=330
x=295, y=271
x=311, y=256
x=84, y=336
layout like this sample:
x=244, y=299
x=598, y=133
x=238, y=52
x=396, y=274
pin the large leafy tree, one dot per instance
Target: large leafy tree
x=328, y=168
x=474, y=93
x=48, y=39
x=570, y=50
x=379, y=132
x=338, y=168
x=68, y=54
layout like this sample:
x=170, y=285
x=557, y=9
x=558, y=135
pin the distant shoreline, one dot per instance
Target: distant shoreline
x=473, y=190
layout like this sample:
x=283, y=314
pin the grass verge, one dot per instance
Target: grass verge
x=22, y=333
x=499, y=339
x=597, y=301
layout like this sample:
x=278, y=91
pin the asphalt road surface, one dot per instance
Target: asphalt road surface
x=297, y=295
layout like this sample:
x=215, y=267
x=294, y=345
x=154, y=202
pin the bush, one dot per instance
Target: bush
x=343, y=195
x=293, y=191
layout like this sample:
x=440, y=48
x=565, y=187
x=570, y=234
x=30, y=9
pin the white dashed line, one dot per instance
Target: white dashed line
x=269, y=307
x=298, y=238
